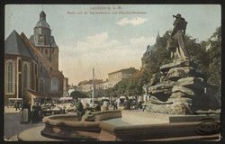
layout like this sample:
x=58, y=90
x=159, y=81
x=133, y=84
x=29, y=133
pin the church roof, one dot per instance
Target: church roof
x=15, y=45
x=46, y=64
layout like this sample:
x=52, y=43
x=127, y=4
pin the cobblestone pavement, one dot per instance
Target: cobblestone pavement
x=12, y=124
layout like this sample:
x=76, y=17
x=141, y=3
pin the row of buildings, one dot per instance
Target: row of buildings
x=113, y=79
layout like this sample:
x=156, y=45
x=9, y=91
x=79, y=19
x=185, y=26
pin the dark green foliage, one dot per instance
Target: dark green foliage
x=78, y=94
x=208, y=62
x=198, y=54
x=214, y=54
x=128, y=87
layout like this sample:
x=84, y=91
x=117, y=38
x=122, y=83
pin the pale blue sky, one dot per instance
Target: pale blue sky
x=108, y=42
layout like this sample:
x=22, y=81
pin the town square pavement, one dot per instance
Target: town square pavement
x=12, y=125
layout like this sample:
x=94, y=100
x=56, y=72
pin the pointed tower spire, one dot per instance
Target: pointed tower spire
x=42, y=16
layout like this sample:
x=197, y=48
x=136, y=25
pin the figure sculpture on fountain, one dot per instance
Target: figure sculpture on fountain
x=176, y=41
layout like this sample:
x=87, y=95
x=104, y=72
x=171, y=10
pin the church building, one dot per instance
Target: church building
x=31, y=64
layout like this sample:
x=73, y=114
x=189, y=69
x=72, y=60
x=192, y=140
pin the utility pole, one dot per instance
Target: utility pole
x=93, y=87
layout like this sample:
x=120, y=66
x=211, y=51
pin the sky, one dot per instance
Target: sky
x=108, y=38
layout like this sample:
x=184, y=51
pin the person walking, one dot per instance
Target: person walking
x=25, y=112
x=17, y=105
x=79, y=108
x=127, y=104
x=115, y=107
x=34, y=115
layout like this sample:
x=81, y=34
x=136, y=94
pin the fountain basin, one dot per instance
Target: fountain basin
x=67, y=126
x=133, y=126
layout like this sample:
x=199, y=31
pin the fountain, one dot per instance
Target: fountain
x=64, y=127
x=181, y=89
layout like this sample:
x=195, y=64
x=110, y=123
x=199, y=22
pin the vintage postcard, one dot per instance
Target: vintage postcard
x=112, y=72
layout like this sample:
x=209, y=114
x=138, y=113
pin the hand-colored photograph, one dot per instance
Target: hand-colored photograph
x=112, y=72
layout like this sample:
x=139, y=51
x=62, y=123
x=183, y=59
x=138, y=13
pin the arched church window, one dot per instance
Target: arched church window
x=55, y=84
x=26, y=76
x=10, y=77
x=41, y=85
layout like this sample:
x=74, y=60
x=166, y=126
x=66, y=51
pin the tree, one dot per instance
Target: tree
x=198, y=54
x=78, y=94
x=214, y=52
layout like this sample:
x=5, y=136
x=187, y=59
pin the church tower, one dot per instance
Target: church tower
x=44, y=41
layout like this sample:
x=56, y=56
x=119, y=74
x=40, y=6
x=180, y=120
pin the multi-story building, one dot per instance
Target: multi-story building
x=87, y=85
x=117, y=76
x=32, y=64
x=102, y=85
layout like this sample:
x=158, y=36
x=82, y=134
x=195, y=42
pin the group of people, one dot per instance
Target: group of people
x=81, y=109
x=30, y=114
x=34, y=114
x=128, y=104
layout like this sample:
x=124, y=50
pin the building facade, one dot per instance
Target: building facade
x=32, y=64
x=87, y=85
x=117, y=76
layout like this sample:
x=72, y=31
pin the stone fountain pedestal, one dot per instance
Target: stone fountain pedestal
x=181, y=91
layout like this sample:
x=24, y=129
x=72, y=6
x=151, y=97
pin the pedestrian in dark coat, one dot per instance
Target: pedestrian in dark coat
x=79, y=108
x=17, y=105
x=127, y=104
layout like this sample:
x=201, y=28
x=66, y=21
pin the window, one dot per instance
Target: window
x=41, y=85
x=20, y=65
x=10, y=88
x=35, y=70
x=26, y=76
x=42, y=39
x=54, y=84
